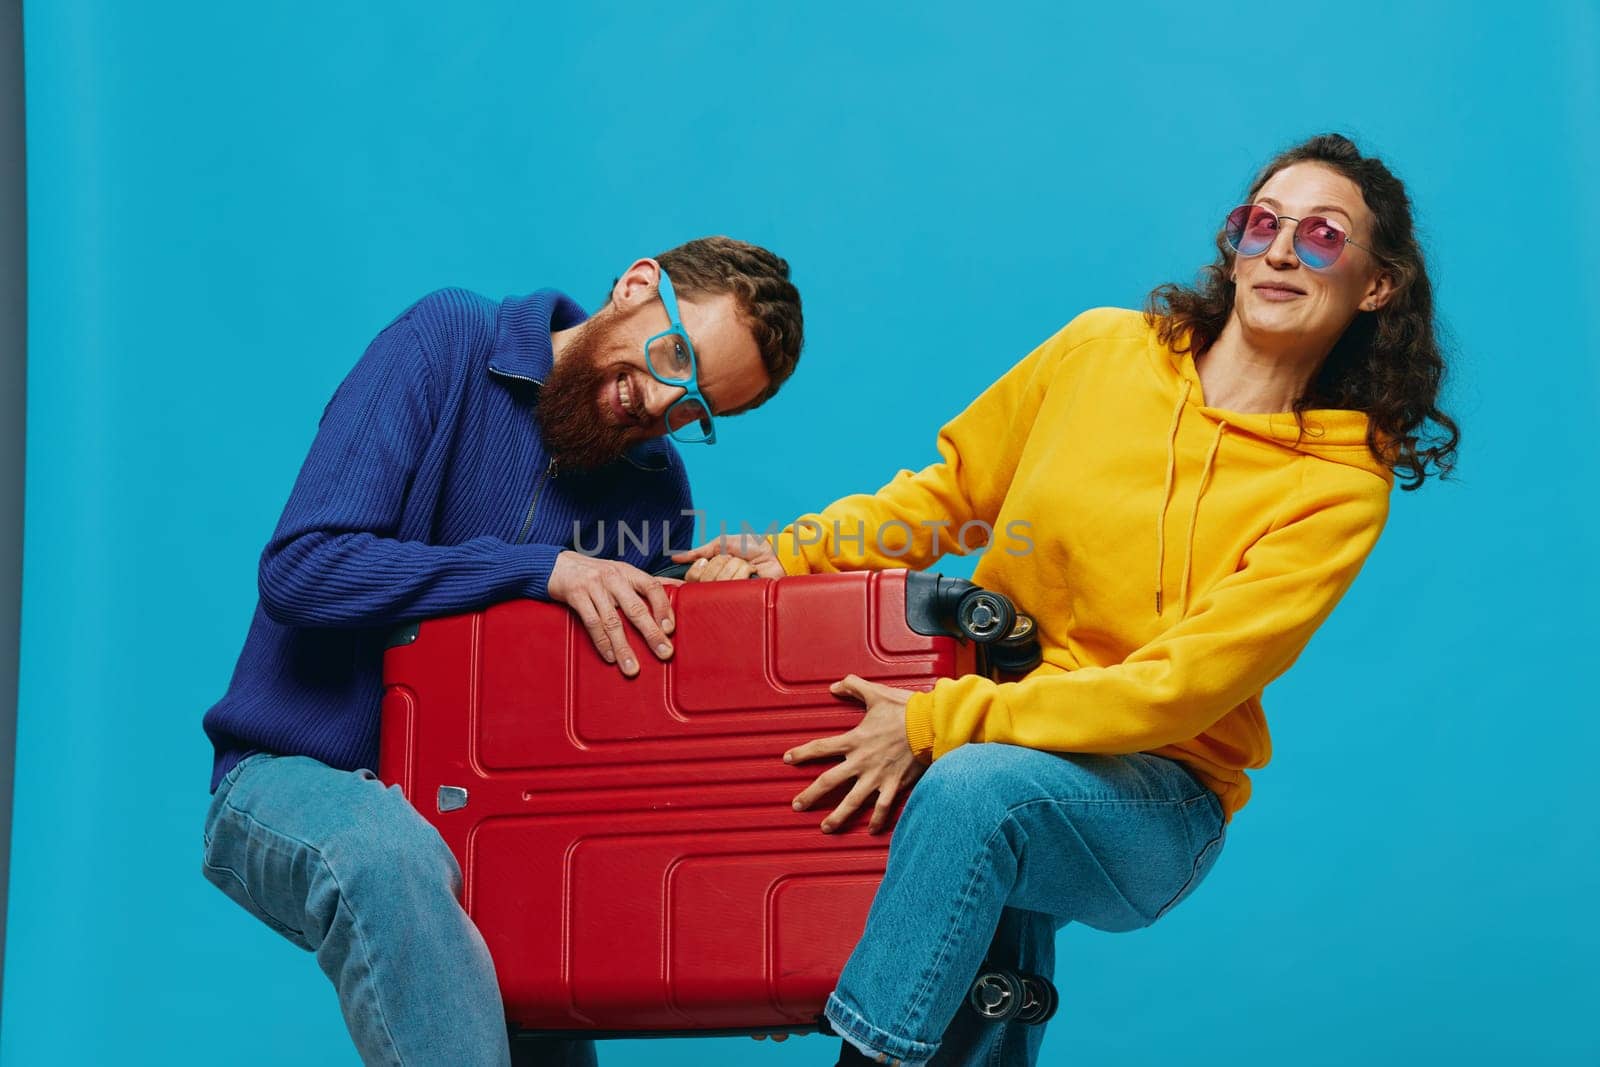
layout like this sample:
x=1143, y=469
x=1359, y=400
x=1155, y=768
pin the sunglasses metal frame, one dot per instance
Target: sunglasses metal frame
x=1295, y=235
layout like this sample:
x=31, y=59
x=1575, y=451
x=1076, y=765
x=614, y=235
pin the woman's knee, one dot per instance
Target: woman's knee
x=975, y=786
x=986, y=785
x=985, y=773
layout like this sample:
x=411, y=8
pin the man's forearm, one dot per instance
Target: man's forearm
x=363, y=580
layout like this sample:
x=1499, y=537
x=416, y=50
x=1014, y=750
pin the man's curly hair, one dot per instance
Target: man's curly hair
x=768, y=302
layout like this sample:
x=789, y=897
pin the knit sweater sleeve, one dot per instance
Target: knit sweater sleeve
x=335, y=559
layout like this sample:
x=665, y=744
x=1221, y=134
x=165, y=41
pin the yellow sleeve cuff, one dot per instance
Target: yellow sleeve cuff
x=788, y=554
x=919, y=726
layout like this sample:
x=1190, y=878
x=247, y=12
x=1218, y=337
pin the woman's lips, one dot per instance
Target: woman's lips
x=1269, y=292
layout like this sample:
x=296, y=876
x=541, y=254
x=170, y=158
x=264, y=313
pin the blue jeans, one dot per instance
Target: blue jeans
x=345, y=868
x=997, y=848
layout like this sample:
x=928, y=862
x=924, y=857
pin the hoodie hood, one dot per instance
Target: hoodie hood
x=1331, y=435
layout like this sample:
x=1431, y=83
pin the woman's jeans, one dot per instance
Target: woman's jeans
x=346, y=868
x=997, y=848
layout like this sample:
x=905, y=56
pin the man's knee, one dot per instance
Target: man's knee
x=361, y=845
x=386, y=855
x=296, y=843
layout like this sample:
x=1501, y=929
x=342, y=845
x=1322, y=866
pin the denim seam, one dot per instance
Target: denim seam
x=998, y=1049
x=1012, y=811
x=850, y=1028
x=1188, y=843
x=962, y=904
x=355, y=919
x=266, y=916
x=1194, y=872
x=205, y=860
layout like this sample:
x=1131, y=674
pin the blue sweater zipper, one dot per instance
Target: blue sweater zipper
x=527, y=523
x=549, y=470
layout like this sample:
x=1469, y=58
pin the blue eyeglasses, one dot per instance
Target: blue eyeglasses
x=669, y=356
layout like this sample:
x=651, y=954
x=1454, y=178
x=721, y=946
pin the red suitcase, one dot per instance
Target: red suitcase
x=628, y=846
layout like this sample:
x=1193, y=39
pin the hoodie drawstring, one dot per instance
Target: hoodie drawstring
x=1166, y=497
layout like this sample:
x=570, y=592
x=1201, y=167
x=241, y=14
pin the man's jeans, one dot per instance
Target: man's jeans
x=997, y=848
x=347, y=869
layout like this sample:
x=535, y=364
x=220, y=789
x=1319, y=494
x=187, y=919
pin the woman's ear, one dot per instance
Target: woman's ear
x=1379, y=292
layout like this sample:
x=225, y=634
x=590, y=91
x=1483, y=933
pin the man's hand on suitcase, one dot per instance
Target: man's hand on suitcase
x=730, y=556
x=602, y=592
x=876, y=754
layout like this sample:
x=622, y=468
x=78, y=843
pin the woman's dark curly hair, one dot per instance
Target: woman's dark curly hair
x=1388, y=363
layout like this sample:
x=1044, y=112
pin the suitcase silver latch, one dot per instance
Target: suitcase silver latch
x=452, y=797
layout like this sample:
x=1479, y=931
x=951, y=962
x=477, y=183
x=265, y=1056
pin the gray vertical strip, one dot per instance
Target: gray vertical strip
x=13, y=412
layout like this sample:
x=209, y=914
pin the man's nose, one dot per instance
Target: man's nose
x=659, y=396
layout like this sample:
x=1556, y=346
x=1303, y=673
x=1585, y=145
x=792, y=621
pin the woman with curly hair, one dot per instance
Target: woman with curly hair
x=1180, y=498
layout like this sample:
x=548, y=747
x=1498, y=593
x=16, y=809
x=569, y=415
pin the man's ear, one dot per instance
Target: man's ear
x=637, y=284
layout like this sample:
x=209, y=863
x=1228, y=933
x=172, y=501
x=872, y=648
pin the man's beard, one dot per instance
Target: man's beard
x=578, y=431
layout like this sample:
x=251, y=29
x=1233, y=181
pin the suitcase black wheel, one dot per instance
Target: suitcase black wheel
x=1018, y=651
x=984, y=617
x=1039, y=1000
x=996, y=995
x=1002, y=995
x=954, y=607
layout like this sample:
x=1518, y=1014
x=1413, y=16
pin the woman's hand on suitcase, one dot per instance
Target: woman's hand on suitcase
x=604, y=591
x=730, y=556
x=720, y=568
x=876, y=754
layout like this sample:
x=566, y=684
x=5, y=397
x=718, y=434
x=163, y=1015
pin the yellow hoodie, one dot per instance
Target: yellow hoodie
x=1177, y=557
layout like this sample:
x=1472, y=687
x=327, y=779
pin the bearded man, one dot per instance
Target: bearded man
x=471, y=447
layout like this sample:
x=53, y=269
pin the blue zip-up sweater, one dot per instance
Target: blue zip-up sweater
x=427, y=491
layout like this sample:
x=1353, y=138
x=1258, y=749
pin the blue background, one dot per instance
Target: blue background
x=227, y=202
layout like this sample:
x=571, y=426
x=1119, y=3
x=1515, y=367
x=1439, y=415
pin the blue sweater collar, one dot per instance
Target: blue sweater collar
x=522, y=350
x=522, y=335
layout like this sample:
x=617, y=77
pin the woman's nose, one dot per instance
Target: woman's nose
x=1281, y=251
